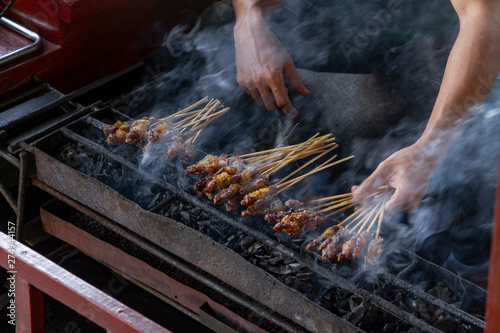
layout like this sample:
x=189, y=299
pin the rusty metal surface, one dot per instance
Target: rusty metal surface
x=41, y=274
x=190, y=245
x=168, y=258
x=493, y=299
x=136, y=269
x=8, y=197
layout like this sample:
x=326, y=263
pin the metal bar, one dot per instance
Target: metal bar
x=29, y=308
x=49, y=278
x=13, y=117
x=493, y=298
x=434, y=300
x=21, y=197
x=37, y=41
x=10, y=158
x=137, y=270
x=8, y=197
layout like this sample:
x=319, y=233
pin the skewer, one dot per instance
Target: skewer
x=368, y=217
x=305, y=165
x=323, y=166
x=381, y=218
x=341, y=204
x=332, y=203
x=297, y=148
x=338, y=196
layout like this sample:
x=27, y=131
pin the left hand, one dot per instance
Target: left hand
x=408, y=172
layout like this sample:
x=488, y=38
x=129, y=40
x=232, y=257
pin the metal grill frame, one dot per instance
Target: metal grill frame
x=5, y=5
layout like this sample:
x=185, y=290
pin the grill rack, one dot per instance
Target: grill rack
x=72, y=132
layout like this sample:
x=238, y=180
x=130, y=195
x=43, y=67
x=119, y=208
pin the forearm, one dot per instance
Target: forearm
x=261, y=8
x=470, y=72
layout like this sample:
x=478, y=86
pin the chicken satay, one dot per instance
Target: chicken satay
x=373, y=252
x=257, y=208
x=275, y=217
x=227, y=193
x=296, y=223
x=327, y=234
x=253, y=182
x=138, y=131
x=361, y=243
x=276, y=206
x=210, y=164
x=294, y=204
x=232, y=204
x=335, y=246
x=159, y=131
x=116, y=133
x=348, y=248
x=252, y=197
x=200, y=186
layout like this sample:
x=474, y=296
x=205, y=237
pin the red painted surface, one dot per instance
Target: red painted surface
x=37, y=274
x=493, y=300
x=85, y=40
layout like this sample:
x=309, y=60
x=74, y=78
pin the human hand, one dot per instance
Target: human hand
x=262, y=63
x=408, y=172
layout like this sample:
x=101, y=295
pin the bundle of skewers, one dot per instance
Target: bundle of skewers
x=173, y=136
x=244, y=180
x=352, y=237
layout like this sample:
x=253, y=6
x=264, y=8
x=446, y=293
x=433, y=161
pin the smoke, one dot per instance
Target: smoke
x=391, y=56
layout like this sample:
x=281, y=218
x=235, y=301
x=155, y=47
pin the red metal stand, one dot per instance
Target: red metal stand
x=36, y=275
x=86, y=40
x=493, y=300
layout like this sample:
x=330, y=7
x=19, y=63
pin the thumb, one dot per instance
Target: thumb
x=294, y=78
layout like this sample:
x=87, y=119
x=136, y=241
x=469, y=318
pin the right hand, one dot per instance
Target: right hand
x=262, y=63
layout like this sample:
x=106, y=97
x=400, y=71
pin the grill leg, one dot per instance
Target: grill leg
x=29, y=308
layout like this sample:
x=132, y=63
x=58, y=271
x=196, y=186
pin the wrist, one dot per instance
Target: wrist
x=432, y=149
x=257, y=9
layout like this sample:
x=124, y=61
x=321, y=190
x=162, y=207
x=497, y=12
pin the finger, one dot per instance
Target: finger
x=281, y=96
x=254, y=92
x=248, y=86
x=294, y=78
x=371, y=184
x=268, y=99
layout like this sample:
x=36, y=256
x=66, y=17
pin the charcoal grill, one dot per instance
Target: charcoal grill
x=148, y=225
x=269, y=279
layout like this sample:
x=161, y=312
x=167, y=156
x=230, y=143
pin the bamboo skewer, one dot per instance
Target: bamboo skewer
x=286, y=185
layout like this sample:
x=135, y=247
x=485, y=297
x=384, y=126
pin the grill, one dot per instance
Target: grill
x=147, y=224
x=106, y=202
